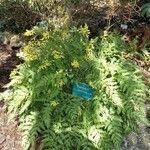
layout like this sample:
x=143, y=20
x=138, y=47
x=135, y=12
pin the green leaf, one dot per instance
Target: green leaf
x=145, y=10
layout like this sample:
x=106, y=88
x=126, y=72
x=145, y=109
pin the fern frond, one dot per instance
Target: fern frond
x=40, y=91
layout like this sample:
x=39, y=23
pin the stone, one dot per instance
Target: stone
x=43, y=24
x=15, y=41
x=124, y=26
x=2, y=138
x=3, y=39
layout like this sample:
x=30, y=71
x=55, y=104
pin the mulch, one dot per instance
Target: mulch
x=8, y=61
x=10, y=137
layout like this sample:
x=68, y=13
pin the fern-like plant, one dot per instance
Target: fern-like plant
x=145, y=10
x=40, y=91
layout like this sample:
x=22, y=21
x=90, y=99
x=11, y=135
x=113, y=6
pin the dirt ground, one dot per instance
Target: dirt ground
x=10, y=138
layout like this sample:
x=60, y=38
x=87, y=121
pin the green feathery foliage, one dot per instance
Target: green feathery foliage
x=40, y=91
x=145, y=10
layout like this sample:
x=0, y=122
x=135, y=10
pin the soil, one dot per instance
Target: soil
x=10, y=138
x=140, y=141
x=8, y=61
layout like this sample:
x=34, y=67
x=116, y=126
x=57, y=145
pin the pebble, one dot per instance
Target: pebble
x=124, y=26
x=15, y=41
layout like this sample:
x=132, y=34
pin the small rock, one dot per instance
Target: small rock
x=15, y=42
x=3, y=39
x=43, y=24
x=2, y=138
x=124, y=26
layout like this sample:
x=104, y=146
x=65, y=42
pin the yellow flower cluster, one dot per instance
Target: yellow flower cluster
x=13, y=73
x=75, y=64
x=46, y=36
x=89, y=50
x=30, y=53
x=84, y=30
x=29, y=33
x=57, y=55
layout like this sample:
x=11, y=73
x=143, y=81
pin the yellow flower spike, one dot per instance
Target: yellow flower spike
x=45, y=36
x=75, y=64
x=84, y=30
x=90, y=49
x=57, y=55
x=29, y=33
x=13, y=73
x=30, y=53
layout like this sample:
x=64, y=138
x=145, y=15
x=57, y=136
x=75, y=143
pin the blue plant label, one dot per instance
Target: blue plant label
x=83, y=90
